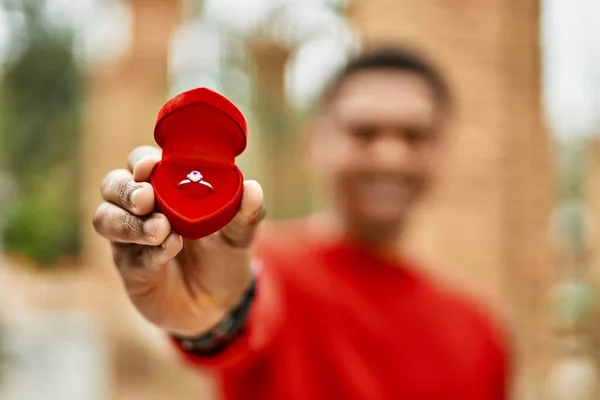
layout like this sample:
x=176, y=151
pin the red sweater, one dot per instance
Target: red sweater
x=338, y=322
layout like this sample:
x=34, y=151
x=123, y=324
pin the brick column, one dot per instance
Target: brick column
x=490, y=213
x=123, y=97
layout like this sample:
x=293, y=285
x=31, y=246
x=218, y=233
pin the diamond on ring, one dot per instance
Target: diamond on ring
x=195, y=177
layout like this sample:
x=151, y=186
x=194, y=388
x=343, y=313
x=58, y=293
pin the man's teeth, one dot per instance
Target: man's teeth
x=385, y=188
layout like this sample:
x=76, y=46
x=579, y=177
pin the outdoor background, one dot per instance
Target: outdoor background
x=81, y=82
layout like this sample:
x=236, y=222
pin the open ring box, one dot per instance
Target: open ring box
x=199, y=130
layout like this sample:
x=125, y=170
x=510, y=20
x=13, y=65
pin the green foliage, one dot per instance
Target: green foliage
x=43, y=223
x=40, y=93
x=574, y=302
x=571, y=171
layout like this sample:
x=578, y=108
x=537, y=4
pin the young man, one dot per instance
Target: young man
x=322, y=308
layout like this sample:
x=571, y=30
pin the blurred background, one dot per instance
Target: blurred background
x=81, y=82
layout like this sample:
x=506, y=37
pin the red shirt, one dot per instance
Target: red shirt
x=338, y=322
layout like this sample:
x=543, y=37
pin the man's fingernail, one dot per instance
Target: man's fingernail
x=134, y=196
x=151, y=227
x=258, y=215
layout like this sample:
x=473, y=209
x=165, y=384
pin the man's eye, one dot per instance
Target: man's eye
x=363, y=132
x=415, y=135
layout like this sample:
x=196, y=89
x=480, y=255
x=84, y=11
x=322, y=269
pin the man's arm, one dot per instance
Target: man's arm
x=257, y=335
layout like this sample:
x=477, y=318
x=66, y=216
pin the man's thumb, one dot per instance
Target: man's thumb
x=240, y=231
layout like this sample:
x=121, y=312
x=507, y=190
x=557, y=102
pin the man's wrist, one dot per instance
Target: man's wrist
x=216, y=339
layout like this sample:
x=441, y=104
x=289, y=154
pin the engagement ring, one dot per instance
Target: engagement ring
x=194, y=177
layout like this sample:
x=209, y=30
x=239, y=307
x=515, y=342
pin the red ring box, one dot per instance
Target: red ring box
x=199, y=130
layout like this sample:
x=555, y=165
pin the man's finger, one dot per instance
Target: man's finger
x=143, y=168
x=119, y=188
x=136, y=261
x=118, y=225
x=167, y=251
x=141, y=152
x=240, y=231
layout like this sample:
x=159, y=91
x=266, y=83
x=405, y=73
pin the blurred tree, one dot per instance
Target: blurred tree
x=40, y=90
x=270, y=47
x=252, y=65
x=275, y=119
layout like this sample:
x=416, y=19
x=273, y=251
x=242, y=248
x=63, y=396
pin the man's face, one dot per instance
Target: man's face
x=375, y=148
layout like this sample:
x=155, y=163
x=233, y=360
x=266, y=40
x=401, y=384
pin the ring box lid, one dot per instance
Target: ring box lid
x=200, y=123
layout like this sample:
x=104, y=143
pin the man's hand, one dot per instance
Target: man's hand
x=184, y=287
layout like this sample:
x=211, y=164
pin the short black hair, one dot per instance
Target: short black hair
x=396, y=58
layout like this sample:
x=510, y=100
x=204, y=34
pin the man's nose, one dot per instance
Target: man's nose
x=391, y=152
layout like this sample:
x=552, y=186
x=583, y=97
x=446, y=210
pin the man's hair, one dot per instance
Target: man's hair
x=398, y=59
